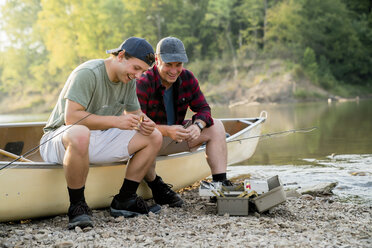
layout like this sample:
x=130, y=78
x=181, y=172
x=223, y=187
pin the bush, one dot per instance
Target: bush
x=310, y=65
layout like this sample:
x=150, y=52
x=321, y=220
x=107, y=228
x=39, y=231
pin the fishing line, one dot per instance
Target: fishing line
x=37, y=147
x=268, y=135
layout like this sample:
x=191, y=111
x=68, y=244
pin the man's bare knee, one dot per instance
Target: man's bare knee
x=216, y=131
x=219, y=125
x=156, y=138
x=77, y=138
x=138, y=142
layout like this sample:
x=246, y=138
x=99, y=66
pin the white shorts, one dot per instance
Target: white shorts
x=105, y=146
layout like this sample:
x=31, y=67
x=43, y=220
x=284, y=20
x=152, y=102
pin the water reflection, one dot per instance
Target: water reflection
x=343, y=128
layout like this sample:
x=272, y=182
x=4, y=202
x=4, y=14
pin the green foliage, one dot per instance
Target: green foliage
x=330, y=39
x=217, y=20
x=284, y=23
x=330, y=34
x=298, y=71
x=310, y=65
x=250, y=17
x=13, y=74
x=347, y=90
x=327, y=27
x=211, y=72
x=19, y=17
x=78, y=31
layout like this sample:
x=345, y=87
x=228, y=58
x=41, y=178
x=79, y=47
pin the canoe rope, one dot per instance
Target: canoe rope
x=269, y=135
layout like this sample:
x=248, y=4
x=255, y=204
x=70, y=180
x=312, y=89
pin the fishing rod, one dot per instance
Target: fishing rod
x=37, y=147
x=301, y=130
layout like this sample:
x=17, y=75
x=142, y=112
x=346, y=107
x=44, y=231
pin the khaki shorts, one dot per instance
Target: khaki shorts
x=105, y=146
x=170, y=146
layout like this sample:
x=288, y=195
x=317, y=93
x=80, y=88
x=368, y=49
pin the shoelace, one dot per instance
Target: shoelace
x=81, y=208
x=166, y=187
x=141, y=204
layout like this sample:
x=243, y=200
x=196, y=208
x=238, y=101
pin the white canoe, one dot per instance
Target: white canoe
x=36, y=189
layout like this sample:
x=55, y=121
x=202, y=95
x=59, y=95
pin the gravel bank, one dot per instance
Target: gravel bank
x=299, y=222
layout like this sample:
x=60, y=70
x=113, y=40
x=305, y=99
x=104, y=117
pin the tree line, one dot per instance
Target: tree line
x=330, y=39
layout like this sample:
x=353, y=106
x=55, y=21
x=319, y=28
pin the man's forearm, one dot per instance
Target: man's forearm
x=136, y=112
x=92, y=121
x=201, y=121
x=163, y=129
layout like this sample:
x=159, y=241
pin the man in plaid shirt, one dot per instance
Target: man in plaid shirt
x=165, y=92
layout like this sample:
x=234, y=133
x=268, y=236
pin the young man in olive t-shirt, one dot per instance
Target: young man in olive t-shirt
x=98, y=118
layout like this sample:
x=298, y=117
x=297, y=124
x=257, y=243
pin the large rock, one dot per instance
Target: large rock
x=319, y=189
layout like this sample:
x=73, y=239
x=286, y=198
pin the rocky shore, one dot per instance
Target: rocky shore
x=302, y=221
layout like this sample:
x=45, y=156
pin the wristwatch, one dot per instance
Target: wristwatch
x=199, y=125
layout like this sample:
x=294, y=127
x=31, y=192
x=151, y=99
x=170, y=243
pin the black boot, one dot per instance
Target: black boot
x=163, y=193
x=79, y=214
x=131, y=207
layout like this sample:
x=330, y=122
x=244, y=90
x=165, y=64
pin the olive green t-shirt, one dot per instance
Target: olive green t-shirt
x=90, y=86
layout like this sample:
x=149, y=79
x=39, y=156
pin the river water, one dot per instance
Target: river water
x=339, y=150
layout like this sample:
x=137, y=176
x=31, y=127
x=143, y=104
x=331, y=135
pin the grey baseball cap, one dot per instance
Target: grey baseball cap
x=137, y=47
x=171, y=49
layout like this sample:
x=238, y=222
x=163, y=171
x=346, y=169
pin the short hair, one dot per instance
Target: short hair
x=126, y=54
x=149, y=57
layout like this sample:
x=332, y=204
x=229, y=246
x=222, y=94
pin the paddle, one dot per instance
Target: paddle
x=14, y=156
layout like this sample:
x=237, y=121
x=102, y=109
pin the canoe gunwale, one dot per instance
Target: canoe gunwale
x=47, y=165
x=251, y=122
x=43, y=123
x=244, y=120
x=23, y=124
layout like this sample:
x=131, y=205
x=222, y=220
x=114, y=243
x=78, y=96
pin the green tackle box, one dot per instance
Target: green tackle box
x=232, y=205
x=270, y=199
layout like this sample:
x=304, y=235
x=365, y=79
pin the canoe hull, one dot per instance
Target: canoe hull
x=45, y=188
x=30, y=190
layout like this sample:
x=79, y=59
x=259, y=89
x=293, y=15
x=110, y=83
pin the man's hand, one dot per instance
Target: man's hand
x=146, y=125
x=128, y=122
x=194, y=132
x=178, y=133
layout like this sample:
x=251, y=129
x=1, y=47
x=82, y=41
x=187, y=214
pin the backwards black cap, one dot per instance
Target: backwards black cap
x=137, y=47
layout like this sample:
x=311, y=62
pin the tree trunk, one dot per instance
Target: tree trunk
x=264, y=24
x=229, y=42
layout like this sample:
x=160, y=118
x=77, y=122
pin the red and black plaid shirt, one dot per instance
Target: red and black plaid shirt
x=186, y=93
